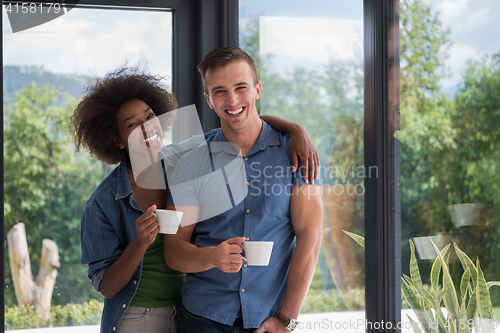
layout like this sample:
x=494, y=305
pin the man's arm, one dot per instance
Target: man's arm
x=180, y=254
x=301, y=146
x=307, y=216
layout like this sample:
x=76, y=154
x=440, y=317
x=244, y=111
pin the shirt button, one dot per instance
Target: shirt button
x=246, y=158
x=114, y=328
x=242, y=290
x=248, y=211
x=247, y=238
x=245, y=265
x=135, y=281
x=124, y=306
x=248, y=183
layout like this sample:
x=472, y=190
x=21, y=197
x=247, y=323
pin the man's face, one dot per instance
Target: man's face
x=232, y=94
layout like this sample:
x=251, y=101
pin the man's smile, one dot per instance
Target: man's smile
x=235, y=111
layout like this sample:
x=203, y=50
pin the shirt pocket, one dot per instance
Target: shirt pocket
x=277, y=192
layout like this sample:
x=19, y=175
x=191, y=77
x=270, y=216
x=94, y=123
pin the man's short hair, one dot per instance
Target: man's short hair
x=223, y=56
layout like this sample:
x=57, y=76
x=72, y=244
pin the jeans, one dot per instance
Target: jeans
x=149, y=320
x=190, y=323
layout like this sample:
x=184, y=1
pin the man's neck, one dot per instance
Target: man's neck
x=244, y=138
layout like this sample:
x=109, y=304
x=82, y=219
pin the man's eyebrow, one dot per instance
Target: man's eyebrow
x=217, y=88
x=236, y=85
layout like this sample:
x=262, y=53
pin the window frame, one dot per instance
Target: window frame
x=382, y=235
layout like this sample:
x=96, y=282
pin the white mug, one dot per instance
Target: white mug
x=257, y=253
x=168, y=220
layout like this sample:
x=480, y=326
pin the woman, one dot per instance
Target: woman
x=119, y=228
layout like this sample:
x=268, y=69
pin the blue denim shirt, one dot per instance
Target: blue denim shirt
x=108, y=226
x=263, y=215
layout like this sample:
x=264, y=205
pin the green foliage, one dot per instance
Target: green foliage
x=448, y=150
x=424, y=46
x=319, y=300
x=358, y=239
x=313, y=98
x=460, y=316
x=88, y=313
x=16, y=78
x=332, y=301
x=46, y=184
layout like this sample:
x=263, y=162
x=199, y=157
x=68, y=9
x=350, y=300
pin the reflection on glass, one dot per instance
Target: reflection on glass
x=311, y=68
x=46, y=183
x=450, y=74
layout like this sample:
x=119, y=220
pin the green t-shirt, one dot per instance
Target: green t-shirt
x=159, y=286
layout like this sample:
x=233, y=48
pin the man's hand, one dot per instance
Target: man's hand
x=302, y=146
x=226, y=256
x=146, y=227
x=271, y=325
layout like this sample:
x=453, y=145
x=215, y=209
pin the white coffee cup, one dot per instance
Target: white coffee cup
x=257, y=253
x=168, y=220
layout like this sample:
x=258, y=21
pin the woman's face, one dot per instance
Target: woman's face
x=139, y=129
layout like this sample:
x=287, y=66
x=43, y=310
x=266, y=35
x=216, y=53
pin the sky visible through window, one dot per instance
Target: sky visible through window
x=93, y=42
x=473, y=25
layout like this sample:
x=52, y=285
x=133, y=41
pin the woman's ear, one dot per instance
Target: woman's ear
x=118, y=143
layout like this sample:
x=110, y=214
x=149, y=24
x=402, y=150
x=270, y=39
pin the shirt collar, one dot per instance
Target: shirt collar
x=123, y=189
x=268, y=137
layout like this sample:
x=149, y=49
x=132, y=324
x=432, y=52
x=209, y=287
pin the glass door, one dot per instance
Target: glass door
x=310, y=62
x=46, y=184
x=450, y=198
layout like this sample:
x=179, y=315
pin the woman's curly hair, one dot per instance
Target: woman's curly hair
x=93, y=123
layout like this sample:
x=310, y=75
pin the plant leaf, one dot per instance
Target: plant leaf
x=462, y=317
x=435, y=272
x=413, y=298
x=410, y=295
x=408, y=279
x=442, y=321
x=415, y=326
x=483, y=298
x=466, y=263
x=414, y=271
x=357, y=238
x=472, y=306
x=450, y=296
x=492, y=283
x=465, y=282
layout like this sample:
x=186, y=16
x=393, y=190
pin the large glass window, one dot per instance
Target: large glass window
x=310, y=62
x=448, y=138
x=46, y=184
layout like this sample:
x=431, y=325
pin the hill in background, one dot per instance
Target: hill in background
x=17, y=77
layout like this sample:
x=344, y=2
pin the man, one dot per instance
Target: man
x=219, y=294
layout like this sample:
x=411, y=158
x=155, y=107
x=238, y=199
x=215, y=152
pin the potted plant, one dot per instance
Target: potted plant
x=459, y=313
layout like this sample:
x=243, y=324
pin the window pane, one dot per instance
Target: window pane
x=46, y=184
x=450, y=79
x=310, y=62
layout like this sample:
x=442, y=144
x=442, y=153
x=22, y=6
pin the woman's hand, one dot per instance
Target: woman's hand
x=147, y=227
x=119, y=273
x=302, y=146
